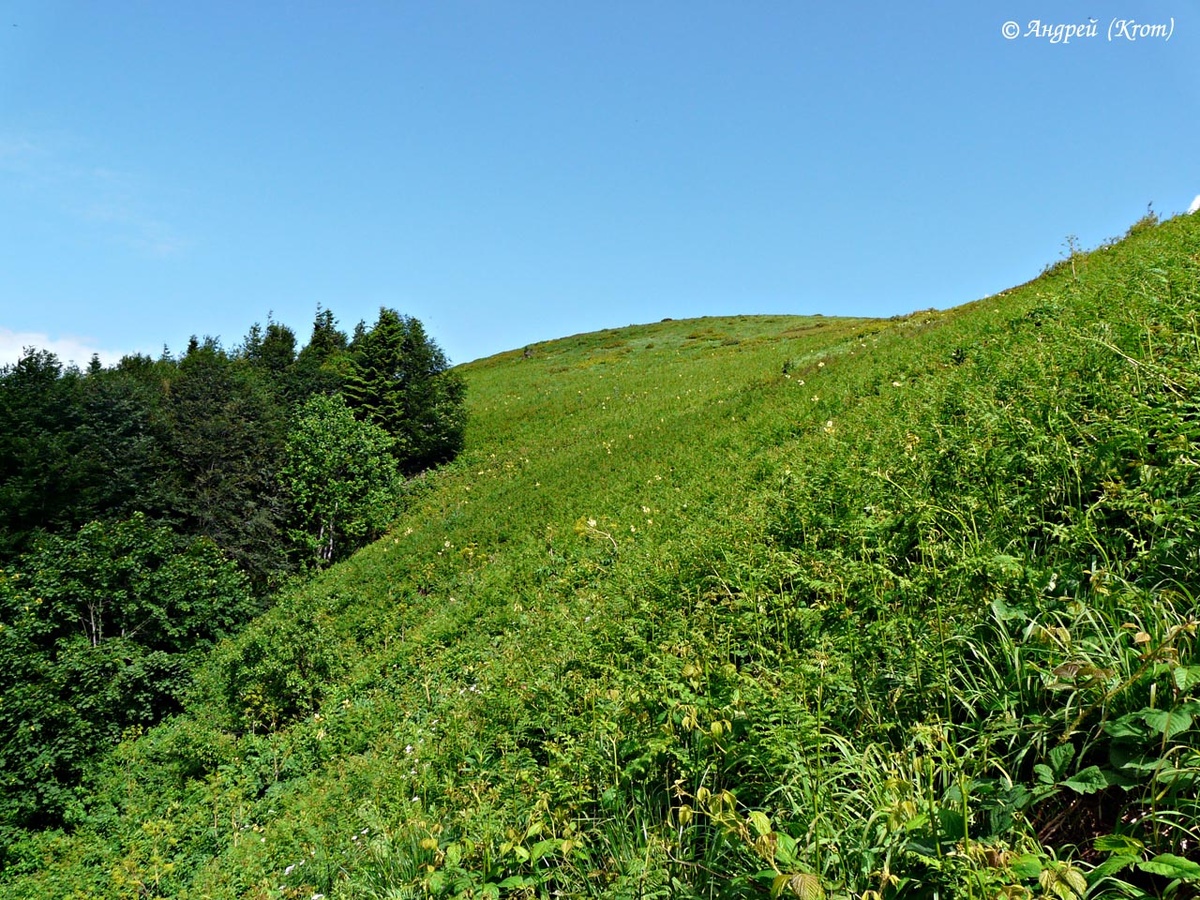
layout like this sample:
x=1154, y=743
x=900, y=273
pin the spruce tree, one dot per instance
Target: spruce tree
x=401, y=380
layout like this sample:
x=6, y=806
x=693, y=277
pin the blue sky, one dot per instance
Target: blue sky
x=510, y=172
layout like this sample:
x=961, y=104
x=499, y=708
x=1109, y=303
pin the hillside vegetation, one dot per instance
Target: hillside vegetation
x=732, y=607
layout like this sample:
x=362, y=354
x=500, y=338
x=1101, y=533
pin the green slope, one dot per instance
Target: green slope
x=717, y=606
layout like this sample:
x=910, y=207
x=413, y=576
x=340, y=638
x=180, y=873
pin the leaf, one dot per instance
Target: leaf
x=802, y=885
x=1060, y=758
x=1127, y=727
x=1168, y=723
x=785, y=849
x=1171, y=866
x=761, y=823
x=1187, y=677
x=951, y=823
x=1111, y=866
x=1064, y=881
x=1044, y=773
x=1118, y=843
x=1087, y=781
x=1026, y=866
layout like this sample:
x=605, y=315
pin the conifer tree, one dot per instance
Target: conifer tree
x=319, y=366
x=400, y=379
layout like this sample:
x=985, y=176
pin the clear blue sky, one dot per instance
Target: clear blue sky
x=515, y=171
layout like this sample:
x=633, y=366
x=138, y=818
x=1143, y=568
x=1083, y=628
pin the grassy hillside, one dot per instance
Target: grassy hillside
x=732, y=607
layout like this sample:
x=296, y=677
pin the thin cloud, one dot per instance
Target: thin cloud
x=135, y=229
x=68, y=348
x=112, y=201
x=15, y=152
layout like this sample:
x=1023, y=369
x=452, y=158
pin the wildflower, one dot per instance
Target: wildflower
x=895, y=384
x=289, y=870
x=591, y=523
x=820, y=365
x=646, y=510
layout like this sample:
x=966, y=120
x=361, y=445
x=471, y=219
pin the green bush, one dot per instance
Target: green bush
x=100, y=633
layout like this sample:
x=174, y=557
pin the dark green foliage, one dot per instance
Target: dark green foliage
x=198, y=442
x=322, y=365
x=99, y=632
x=223, y=430
x=39, y=403
x=400, y=379
x=272, y=351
